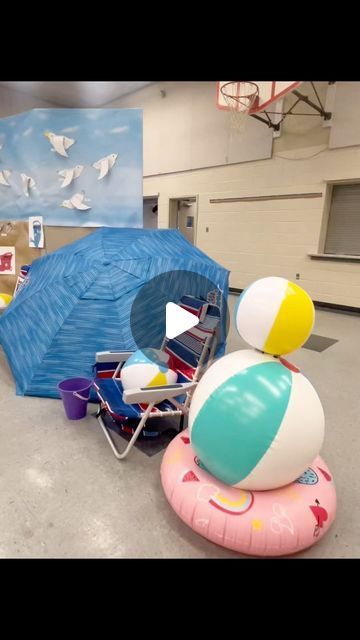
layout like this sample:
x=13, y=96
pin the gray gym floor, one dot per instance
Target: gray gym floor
x=64, y=495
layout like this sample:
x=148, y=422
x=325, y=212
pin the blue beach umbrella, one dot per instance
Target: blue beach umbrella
x=103, y=292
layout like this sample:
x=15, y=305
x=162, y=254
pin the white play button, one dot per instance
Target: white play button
x=178, y=320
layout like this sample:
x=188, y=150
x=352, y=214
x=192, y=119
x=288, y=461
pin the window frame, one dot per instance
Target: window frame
x=330, y=184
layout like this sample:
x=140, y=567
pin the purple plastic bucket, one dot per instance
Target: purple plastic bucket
x=75, y=394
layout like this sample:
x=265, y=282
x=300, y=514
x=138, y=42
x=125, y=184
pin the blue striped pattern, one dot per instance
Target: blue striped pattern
x=187, y=350
x=187, y=347
x=78, y=301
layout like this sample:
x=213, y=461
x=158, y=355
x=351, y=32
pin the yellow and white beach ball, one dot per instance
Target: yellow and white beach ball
x=274, y=315
x=147, y=368
x=5, y=299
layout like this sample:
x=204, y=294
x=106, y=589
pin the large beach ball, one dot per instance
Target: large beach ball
x=274, y=315
x=255, y=421
x=147, y=368
x=5, y=299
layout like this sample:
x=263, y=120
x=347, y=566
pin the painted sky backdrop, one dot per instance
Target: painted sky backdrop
x=116, y=200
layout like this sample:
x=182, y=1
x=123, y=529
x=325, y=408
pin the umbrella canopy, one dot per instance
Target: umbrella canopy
x=106, y=291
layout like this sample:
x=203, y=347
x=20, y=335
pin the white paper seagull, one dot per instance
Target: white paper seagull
x=76, y=202
x=69, y=175
x=105, y=164
x=27, y=184
x=4, y=176
x=60, y=143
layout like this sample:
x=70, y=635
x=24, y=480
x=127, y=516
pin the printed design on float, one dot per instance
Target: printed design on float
x=326, y=475
x=308, y=477
x=202, y=522
x=320, y=514
x=233, y=507
x=206, y=491
x=257, y=524
x=290, y=493
x=280, y=520
x=190, y=476
x=200, y=464
x=173, y=458
x=210, y=493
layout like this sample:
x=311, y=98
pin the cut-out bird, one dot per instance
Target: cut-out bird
x=59, y=143
x=27, y=183
x=69, y=175
x=4, y=176
x=105, y=164
x=76, y=202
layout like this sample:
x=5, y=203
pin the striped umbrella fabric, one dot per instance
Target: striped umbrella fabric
x=78, y=301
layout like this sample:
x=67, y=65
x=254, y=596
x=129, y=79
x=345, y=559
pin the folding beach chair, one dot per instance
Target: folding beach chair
x=191, y=352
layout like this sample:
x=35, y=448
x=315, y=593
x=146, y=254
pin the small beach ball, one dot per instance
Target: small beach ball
x=5, y=299
x=274, y=315
x=255, y=421
x=147, y=368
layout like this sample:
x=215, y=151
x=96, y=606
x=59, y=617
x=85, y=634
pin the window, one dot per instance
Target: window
x=343, y=229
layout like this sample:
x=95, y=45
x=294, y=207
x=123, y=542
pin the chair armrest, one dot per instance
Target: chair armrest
x=113, y=356
x=154, y=395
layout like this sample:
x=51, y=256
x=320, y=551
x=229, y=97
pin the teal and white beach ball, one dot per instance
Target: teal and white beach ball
x=255, y=421
x=147, y=368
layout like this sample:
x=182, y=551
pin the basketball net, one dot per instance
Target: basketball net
x=240, y=97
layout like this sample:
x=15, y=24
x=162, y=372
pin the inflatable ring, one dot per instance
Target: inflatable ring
x=260, y=523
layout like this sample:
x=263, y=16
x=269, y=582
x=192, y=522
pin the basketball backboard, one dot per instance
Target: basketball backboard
x=269, y=93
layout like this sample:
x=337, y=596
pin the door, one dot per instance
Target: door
x=150, y=215
x=186, y=211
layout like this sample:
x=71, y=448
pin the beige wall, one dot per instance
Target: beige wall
x=270, y=237
x=255, y=239
x=183, y=129
x=298, y=131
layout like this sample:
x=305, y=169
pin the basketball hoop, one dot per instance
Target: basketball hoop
x=240, y=97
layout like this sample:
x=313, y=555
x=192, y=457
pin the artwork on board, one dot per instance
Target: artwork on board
x=7, y=261
x=22, y=279
x=73, y=167
x=36, y=232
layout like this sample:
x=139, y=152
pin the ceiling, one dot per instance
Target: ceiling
x=77, y=94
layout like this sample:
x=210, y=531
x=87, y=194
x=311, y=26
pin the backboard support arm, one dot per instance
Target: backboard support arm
x=300, y=98
x=324, y=114
x=268, y=122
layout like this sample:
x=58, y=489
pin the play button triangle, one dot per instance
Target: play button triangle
x=178, y=320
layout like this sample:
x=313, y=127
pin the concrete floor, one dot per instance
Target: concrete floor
x=64, y=495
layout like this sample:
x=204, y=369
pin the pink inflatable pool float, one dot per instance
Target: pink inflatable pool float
x=260, y=523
